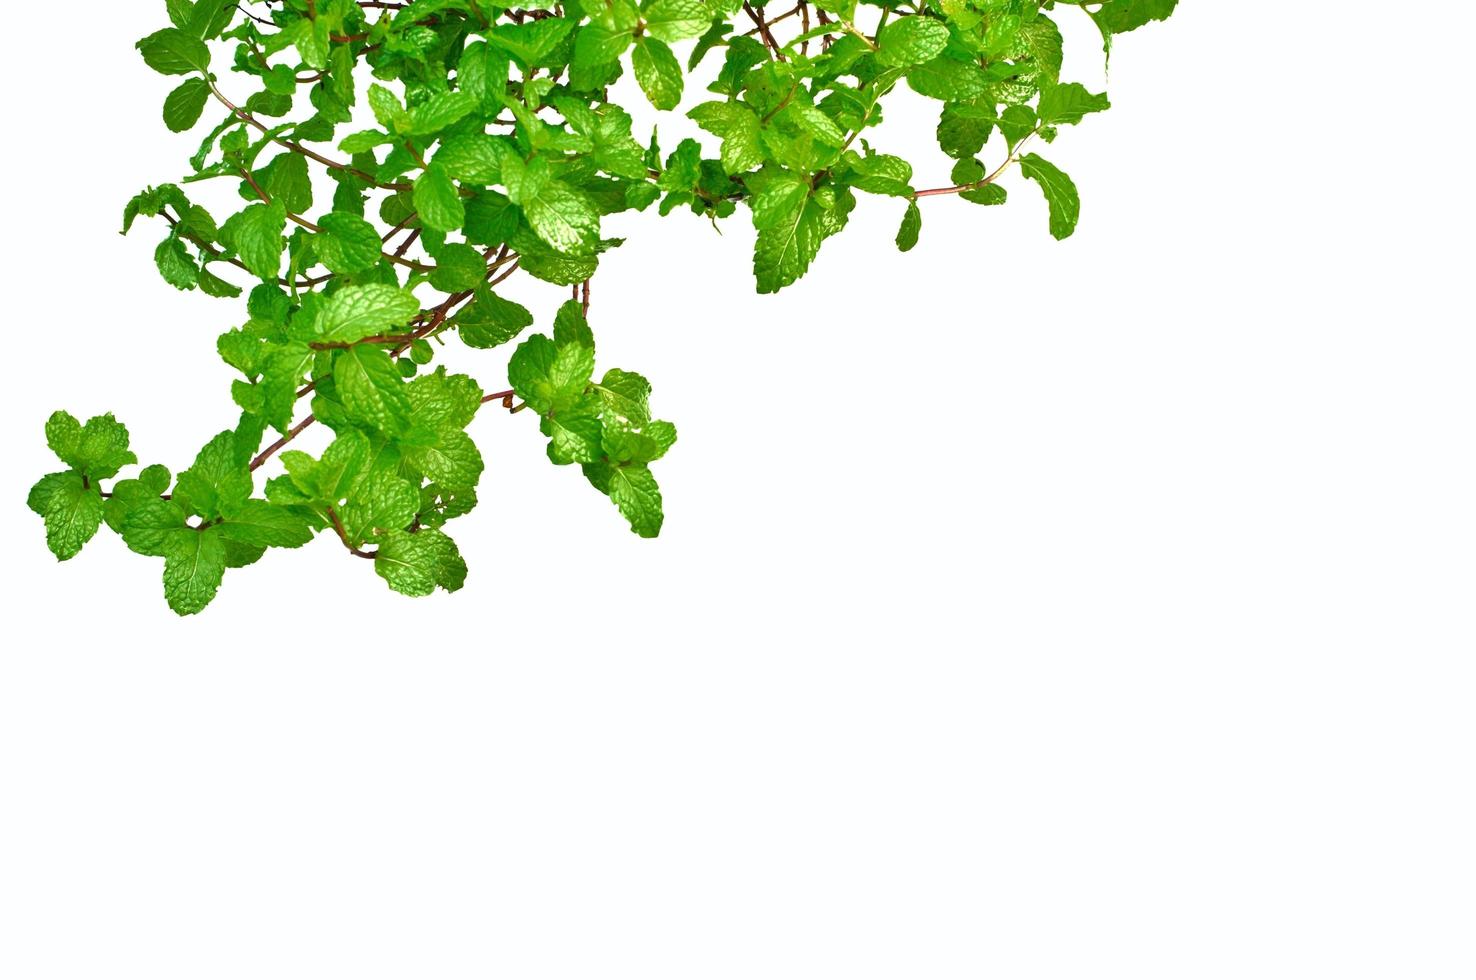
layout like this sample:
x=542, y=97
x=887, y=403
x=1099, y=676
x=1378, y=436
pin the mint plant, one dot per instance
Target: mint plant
x=497, y=149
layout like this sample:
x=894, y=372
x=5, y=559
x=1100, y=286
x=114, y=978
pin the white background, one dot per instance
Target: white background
x=1024, y=610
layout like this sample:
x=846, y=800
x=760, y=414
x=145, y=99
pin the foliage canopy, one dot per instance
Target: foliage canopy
x=496, y=148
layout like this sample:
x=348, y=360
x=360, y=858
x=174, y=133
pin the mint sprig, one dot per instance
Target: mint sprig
x=495, y=150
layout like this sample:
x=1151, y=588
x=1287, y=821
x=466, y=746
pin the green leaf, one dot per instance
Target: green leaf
x=713, y=37
x=63, y=433
x=542, y=262
x=739, y=128
x=482, y=72
x=181, y=12
x=1122, y=16
x=256, y=235
x=459, y=267
x=415, y=564
x=570, y=327
x=882, y=173
x=148, y=524
x=218, y=480
x=440, y=111
x=550, y=377
x=1069, y=103
x=625, y=397
x=437, y=200
x=258, y=523
x=491, y=320
x=174, y=52
x=241, y=350
x=388, y=111
x=371, y=389
x=676, y=20
x=364, y=140
x=911, y=225
x=911, y=41
x=1060, y=193
x=949, y=80
x=380, y=499
x=348, y=244
x=213, y=285
x=597, y=51
x=129, y=495
x=791, y=225
x=815, y=122
x=634, y=490
x=562, y=217
x=444, y=401
x=964, y=128
x=71, y=509
x=176, y=264
x=312, y=40
x=972, y=172
x=532, y=43
x=282, y=373
x=288, y=183
x=209, y=18
x=1016, y=123
x=491, y=219
x=183, y=106
x=574, y=436
x=102, y=449
x=987, y=194
x=356, y=312
x=451, y=460
x=194, y=564
x=475, y=158
x=97, y=450
x=1041, y=41
x=330, y=479
x=638, y=444
x=658, y=72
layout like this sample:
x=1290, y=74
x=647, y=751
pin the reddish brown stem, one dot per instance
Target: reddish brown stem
x=770, y=23
x=764, y=32
x=297, y=147
x=292, y=433
x=343, y=536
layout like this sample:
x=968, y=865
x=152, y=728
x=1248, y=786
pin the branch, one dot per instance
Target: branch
x=437, y=316
x=292, y=433
x=297, y=219
x=297, y=147
x=985, y=181
x=343, y=536
x=763, y=29
x=399, y=227
x=771, y=23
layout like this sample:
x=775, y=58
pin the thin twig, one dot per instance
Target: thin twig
x=983, y=182
x=297, y=219
x=343, y=536
x=764, y=32
x=297, y=147
x=292, y=433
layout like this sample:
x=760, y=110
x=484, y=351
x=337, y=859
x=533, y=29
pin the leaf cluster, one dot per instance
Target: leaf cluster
x=496, y=147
